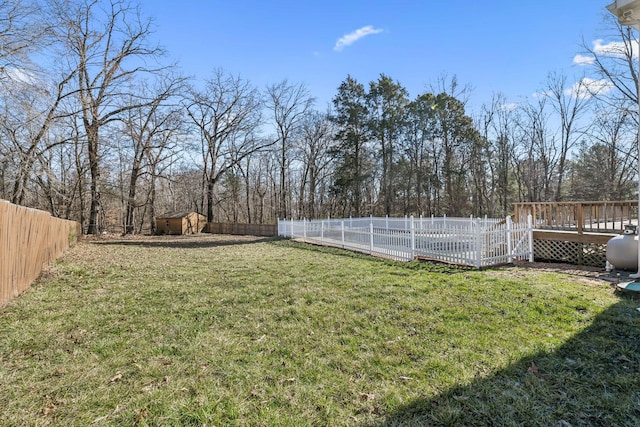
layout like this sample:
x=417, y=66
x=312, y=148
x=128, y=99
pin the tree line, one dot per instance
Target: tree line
x=96, y=126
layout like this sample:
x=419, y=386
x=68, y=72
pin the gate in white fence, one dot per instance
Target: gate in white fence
x=476, y=242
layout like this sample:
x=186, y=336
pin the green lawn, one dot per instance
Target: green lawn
x=233, y=331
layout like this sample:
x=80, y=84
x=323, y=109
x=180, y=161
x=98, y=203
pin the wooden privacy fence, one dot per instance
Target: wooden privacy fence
x=476, y=242
x=265, y=230
x=29, y=240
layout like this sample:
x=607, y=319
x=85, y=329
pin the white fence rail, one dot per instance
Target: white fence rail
x=476, y=242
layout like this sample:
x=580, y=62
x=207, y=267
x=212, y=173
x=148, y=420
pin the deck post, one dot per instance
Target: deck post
x=579, y=218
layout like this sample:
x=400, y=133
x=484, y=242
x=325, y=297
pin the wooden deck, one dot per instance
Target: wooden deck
x=576, y=232
x=573, y=236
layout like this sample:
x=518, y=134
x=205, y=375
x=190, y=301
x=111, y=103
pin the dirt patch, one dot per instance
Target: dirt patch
x=583, y=274
x=178, y=241
x=574, y=270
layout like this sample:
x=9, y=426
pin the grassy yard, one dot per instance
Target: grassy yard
x=234, y=331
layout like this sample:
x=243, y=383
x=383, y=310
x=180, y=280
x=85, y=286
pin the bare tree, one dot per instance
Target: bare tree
x=570, y=106
x=615, y=65
x=227, y=115
x=605, y=169
x=288, y=103
x=499, y=121
x=314, y=146
x=21, y=33
x=161, y=156
x=149, y=129
x=33, y=110
x=107, y=44
x=30, y=105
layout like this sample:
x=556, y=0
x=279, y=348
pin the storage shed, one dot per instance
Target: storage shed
x=180, y=223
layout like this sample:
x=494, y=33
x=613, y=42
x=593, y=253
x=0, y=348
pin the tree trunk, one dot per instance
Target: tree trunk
x=152, y=203
x=94, y=169
x=210, y=187
x=131, y=200
x=283, y=185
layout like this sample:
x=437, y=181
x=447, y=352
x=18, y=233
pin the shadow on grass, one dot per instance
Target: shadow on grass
x=591, y=380
x=185, y=242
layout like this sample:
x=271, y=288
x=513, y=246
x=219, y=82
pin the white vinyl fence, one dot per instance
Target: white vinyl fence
x=476, y=242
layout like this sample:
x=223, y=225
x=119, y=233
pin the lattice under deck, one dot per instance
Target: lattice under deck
x=591, y=254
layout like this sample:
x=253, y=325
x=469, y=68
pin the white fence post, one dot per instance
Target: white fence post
x=322, y=231
x=413, y=239
x=371, y=236
x=292, y=236
x=478, y=229
x=342, y=227
x=304, y=229
x=530, y=231
x=509, y=241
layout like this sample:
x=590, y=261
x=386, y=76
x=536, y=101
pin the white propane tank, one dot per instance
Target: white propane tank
x=622, y=251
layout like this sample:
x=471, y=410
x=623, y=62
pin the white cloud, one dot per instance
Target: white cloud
x=20, y=76
x=615, y=49
x=583, y=60
x=509, y=106
x=586, y=88
x=349, y=39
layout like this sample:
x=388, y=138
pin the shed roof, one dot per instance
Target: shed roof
x=181, y=214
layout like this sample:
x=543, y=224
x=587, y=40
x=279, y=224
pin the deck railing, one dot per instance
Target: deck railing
x=597, y=217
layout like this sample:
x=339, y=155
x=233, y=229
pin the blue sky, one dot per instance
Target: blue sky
x=494, y=46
